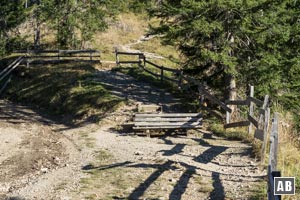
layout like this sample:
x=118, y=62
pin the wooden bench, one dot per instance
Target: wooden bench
x=150, y=121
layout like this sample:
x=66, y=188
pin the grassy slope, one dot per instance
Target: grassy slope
x=63, y=89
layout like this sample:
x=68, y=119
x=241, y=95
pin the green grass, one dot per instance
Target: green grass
x=63, y=90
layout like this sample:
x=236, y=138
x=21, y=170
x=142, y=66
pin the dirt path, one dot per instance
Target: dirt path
x=128, y=48
x=41, y=159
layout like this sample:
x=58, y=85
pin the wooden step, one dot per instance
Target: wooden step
x=173, y=119
x=168, y=115
x=150, y=124
x=167, y=127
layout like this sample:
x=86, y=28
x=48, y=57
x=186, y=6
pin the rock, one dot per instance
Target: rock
x=56, y=160
x=172, y=180
x=163, y=189
x=44, y=169
x=138, y=153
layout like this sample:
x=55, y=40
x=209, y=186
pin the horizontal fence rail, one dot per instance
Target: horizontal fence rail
x=5, y=74
x=53, y=56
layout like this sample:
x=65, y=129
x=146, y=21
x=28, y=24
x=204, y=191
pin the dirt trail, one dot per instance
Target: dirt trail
x=42, y=159
x=128, y=48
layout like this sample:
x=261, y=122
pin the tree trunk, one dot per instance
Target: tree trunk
x=37, y=36
x=231, y=91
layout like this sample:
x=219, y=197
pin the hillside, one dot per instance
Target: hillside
x=65, y=124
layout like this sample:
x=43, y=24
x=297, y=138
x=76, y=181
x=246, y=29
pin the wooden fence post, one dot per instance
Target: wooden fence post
x=265, y=132
x=251, y=108
x=227, y=117
x=264, y=106
x=91, y=58
x=162, y=74
x=180, y=79
x=274, y=143
x=58, y=54
x=117, y=57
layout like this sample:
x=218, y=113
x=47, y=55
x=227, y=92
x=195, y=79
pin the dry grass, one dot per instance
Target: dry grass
x=155, y=45
x=128, y=28
x=289, y=154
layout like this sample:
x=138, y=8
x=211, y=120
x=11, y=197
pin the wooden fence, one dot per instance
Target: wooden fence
x=258, y=115
x=178, y=78
x=5, y=74
x=260, y=122
x=53, y=56
x=272, y=172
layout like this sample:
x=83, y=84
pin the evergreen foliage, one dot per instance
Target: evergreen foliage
x=76, y=21
x=12, y=13
x=255, y=41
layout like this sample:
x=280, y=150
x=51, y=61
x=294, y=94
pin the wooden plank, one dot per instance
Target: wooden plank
x=153, y=64
x=264, y=106
x=57, y=51
x=160, y=119
x=61, y=56
x=77, y=51
x=129, y=62
x=253, y=121
x=168, y=127
x=237, y=124
x=10, y=65
x=265, y=129
x=48, y=61
x=11, y=69
x=236, y=102
x=162, y=74
x=274, y=143
x=251, y=107
x=228, y=117
x=256, y=101
x=150, y=124
x=169, y=115
x=129, y=53
x=259, y=134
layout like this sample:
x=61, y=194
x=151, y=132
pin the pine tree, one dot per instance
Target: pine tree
x=75, y=21
x=251, y=41
x=12, y=13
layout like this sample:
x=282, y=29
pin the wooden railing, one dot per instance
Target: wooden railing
x=259, y=122
x=5, y=74
x=177, y=78
x=41, y=56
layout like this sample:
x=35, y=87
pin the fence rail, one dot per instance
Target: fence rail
x=6, y=72
x=38, y=56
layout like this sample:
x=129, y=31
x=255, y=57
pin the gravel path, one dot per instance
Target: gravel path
x=42, y=159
